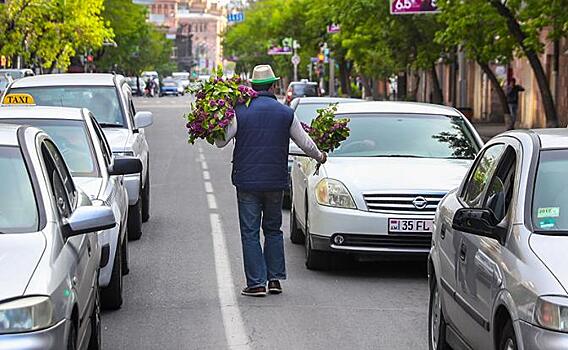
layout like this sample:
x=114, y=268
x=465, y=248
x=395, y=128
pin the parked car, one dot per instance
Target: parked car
x=5, y=80
x=137, y=85
x=17, y=73
x=183, y=77
x=377, y=194
x=302, y=88
x=171, y=86
x=497, y=271
x=109, y=98
x=97, y=172
x=48, y=247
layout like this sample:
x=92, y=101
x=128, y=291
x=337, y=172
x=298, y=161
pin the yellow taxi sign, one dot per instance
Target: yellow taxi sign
x=19, y=99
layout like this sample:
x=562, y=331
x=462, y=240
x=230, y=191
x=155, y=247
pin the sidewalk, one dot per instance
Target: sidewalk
x=489, y=130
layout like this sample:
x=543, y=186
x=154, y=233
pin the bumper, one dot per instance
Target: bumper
x=53, y=338
x=132, y=184
x=172, y=91
x=536, y=338
x=364, y=232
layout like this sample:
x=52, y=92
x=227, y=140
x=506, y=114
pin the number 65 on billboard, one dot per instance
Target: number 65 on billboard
x=408, y=7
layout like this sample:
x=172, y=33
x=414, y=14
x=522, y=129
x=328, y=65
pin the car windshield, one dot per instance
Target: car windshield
x=3, y=83
x=102, y=101
x=18, y=209
x=70, y=136
x=408, y=135
x=304, y=90
x=306, y=112
x=15, y=74
x=550, y=199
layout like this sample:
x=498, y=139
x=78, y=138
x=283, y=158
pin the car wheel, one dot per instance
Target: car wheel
x=135, y=221
x=72, y=339
x=111, y=295
x=508, y=340
x=315, y=260
x=436, y=321
x=146, y=199
x=296, y=235
x=95, y=342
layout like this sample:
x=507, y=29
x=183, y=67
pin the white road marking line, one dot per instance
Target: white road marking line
x=206, y=175
x=204, y=165
x=235, y=331
x=211, y=201
x=208, y=187
x=201, y=157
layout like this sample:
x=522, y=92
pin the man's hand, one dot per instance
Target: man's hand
x=324, y=158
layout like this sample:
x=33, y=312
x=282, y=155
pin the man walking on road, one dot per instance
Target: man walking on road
x=260, y=173
x=512, y=90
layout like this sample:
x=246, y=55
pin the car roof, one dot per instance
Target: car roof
x=40, y=112
x=552, y=138
x=396, y=108
x=303, y=82
x=9, y=134
x=68, y=79
x=326, y=100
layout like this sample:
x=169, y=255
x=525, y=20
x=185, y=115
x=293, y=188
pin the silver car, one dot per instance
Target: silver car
x=109, y=98
x=49, y=257
x=497, y=266
x=97, y=172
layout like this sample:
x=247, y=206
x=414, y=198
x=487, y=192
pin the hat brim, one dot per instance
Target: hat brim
x=264, y=81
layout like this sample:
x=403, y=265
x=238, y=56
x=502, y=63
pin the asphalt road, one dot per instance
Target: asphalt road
x=186, y=271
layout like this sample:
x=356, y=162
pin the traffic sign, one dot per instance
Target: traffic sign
x=236, y=17
x=296, y=60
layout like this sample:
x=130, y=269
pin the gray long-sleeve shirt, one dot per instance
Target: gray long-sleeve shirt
x=297, y=133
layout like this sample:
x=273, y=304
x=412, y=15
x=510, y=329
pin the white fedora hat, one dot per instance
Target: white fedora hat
x=263, y=74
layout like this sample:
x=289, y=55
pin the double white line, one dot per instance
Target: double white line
x=235, y=331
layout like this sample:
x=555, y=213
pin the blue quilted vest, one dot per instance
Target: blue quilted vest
x=260, y=157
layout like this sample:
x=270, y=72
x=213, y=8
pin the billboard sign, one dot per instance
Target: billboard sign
x=407, y=7
x=333, y=28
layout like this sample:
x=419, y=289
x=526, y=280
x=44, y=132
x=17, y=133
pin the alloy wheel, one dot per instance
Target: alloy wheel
x=435, y=318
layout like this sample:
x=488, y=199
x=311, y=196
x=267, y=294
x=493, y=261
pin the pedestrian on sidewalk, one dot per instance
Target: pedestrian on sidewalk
x=262, y=133
x=512, y=90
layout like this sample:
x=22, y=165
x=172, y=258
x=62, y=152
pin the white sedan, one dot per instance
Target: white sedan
x=377, y=194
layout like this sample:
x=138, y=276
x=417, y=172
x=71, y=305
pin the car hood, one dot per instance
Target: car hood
x=397, y=174
x=19, y=255
x=551, y=250
x=117, y=138
x=90, y=185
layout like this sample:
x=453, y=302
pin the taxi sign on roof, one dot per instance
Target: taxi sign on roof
x=18, y=99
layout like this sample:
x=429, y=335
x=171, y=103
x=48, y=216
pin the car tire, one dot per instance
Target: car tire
x=125, y=258
x=436, y=321
x=146, y=198
x=134, y=224
x=315, y=260
x=508, y=340
x=296, y=235
x=72, y=338
x=95, y=341
x=111, y=295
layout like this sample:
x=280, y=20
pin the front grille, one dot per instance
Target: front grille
x=400, y=241
x=390, y=203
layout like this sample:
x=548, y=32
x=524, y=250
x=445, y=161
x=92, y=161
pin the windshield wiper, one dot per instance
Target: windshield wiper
x=110, y=125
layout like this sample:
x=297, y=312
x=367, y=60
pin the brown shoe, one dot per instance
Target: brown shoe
x=274, y=287
x=254, y=291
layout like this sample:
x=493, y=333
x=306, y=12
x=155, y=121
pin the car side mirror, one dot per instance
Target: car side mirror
x=143, y=119
x=294, y=150
x=89, y=219
x=125, y=166
x=479, y=222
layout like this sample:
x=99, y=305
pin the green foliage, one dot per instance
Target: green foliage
x=327, y=131
x=141, y=46
x=50, y=32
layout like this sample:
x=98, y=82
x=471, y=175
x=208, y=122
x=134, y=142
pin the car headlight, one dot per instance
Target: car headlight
x=334, y=194
x=26, y=314
x=552, y=312
x=123, y=153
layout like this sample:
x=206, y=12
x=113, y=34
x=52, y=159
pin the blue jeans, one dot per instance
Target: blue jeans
x=264, y=209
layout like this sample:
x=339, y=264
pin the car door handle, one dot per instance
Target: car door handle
x=443, y=231
x=463, y=251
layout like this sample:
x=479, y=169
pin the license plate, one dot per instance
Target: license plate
x=410, y=225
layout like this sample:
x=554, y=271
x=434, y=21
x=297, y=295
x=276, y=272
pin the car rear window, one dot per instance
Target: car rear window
x=18, y=207
x=408, y=135
x=550, y=198
x=102, y=101
x=307, y=90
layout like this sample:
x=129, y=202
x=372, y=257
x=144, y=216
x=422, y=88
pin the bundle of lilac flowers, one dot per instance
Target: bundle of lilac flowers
x=327, y=131
x=214, y=106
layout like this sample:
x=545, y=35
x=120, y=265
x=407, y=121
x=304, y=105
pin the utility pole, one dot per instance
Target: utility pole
x=331, y=77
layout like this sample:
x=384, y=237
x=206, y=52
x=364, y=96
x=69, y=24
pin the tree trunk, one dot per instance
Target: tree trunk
x=437, y=96
x=344, y=77
x=534, y=60
x=401, y=87
x=498, y=88
x=366, y=86
x=414, y=96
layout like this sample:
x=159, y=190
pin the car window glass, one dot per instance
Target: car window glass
x=62, y=201
x=63, y=172
x=129, y=104
x=308, y=90
x=101, y=139
x=478, y=180
x=500, y=191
